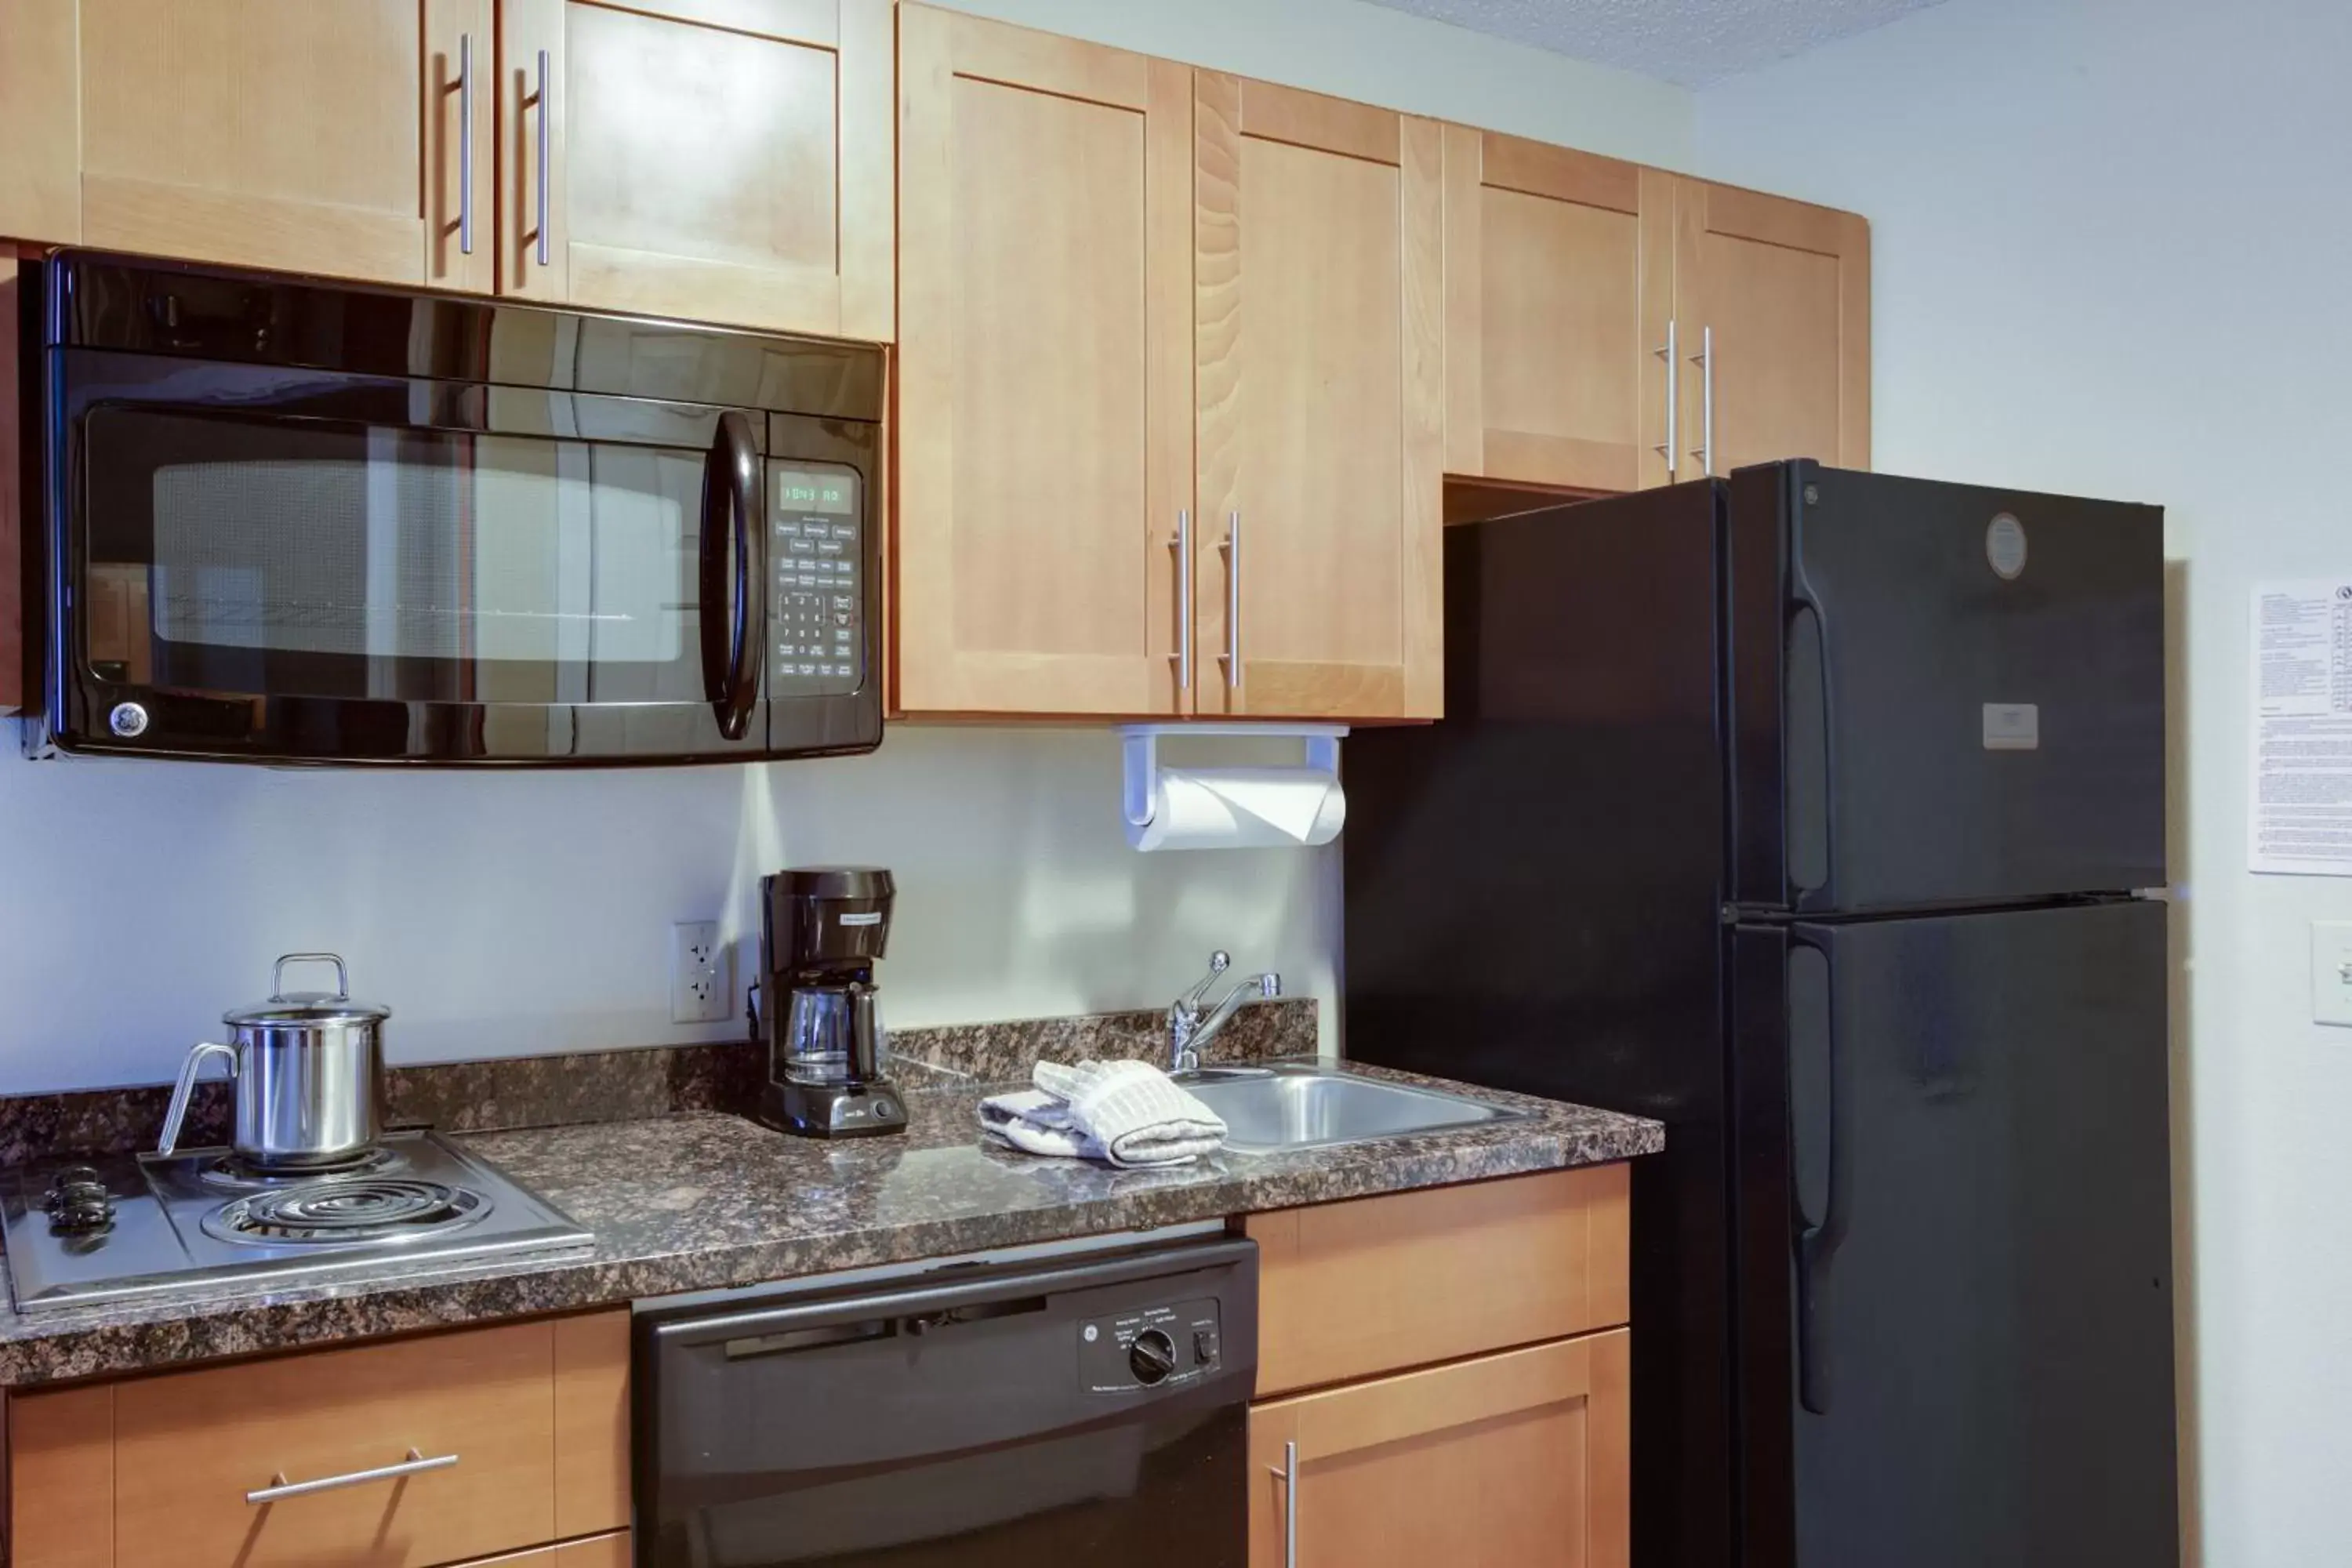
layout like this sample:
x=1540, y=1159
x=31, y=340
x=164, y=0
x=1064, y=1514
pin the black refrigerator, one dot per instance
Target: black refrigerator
x=1813, y=812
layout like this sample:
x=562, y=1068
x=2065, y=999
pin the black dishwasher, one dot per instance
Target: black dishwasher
x=1087, y=1409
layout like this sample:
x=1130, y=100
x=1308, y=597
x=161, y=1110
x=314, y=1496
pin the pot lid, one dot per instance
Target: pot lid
x=285, y=1007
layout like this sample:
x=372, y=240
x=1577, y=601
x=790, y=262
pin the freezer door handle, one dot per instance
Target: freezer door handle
x=1817, y=1177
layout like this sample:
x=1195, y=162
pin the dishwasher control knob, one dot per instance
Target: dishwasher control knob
x=1151, y=1357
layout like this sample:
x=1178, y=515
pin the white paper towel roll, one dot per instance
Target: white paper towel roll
x=1242, y=808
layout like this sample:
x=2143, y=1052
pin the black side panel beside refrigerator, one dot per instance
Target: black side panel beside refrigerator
x=1960, y=688
x=1955, y=1253
x=1533, y=897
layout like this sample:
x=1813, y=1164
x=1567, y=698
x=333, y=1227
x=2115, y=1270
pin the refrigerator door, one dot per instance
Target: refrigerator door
x=1947, y=694
x=1958, y=1344
x=1534, y=889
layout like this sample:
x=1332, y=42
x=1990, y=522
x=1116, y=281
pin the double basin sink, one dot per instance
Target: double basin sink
x=1276, y=1109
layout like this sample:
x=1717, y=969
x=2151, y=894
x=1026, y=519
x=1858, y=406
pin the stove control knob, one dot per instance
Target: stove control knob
x=1151, y=1357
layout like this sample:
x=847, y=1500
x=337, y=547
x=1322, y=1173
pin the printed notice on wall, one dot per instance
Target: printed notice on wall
x=2301, y=820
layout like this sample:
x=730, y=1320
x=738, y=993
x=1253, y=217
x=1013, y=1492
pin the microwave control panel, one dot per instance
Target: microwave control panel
x=816, y=606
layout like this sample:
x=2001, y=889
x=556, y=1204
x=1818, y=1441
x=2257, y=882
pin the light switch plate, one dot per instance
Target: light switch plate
x=2331, y=971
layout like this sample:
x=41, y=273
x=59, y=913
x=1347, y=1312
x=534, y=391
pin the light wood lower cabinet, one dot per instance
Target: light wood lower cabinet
x=1508, y=1461
x=1351, y=1289
x=1443, y=1377
x=715, y=159
x=159, y=1469
x=596, y=1552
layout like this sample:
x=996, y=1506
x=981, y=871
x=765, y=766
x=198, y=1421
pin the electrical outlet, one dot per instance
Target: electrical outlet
x=701, y=986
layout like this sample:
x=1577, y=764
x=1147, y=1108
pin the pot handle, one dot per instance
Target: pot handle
x=186, y=1087
x=342, y=975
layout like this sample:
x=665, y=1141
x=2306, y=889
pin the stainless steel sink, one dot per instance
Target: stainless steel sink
x=1297, y=1105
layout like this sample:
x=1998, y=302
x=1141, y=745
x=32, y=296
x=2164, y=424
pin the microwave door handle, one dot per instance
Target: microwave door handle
x=734, y=623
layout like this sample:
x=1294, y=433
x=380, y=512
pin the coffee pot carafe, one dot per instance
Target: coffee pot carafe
x=822, y=930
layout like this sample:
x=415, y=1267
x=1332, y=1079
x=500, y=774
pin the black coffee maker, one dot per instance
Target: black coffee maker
x=821, y=928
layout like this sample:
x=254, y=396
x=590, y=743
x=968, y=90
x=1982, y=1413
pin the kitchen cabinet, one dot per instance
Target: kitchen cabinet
x=1609, y=327
x=596, y=1552
x=1560, y=275
x=158, y=1470
x=283, y=134
x=1045, y=373
x=1772, y=311
x=40, y=114
x=1508, y=1460
x=712, y=160
x=1480, y=1415
x=1320, y=383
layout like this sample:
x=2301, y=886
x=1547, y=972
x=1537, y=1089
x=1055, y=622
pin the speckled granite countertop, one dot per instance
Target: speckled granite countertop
x=701, y=1200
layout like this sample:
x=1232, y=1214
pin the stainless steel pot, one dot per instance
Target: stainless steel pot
x=309, y=1069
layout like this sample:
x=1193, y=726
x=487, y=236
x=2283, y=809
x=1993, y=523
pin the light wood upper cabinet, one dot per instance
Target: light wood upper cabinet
x=1044, y=371
x=1320, y=377
x=40, y=116
x=287, y=135
x=1558, y=289
x=1502, y=1462
x=715, y=159
x=1772, y=297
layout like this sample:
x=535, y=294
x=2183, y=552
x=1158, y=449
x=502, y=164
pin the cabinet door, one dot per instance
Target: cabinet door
x=1558, y=288
x=1321, y=384
x=292, y=135
x=1772, y=304
x=1502, y=1462
x=40, y=122
x=1044, y=391
x=716, y=160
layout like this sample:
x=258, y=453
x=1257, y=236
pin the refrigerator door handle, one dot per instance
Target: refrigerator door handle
x=1805, y=705
x=1819, y=1178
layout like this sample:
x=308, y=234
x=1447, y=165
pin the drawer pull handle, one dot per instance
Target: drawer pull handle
x=415, y=1464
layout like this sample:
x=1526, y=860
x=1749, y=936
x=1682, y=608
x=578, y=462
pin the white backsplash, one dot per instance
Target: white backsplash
x=516, y=912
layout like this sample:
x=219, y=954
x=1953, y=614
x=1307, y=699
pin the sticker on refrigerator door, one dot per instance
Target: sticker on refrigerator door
x=2012, y=727
x=2005, y=547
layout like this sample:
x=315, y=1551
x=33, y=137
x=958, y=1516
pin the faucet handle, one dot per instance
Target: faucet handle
x=1219, y=961
x=1269, y=985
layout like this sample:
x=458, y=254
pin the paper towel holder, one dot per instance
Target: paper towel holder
x=1140, y=744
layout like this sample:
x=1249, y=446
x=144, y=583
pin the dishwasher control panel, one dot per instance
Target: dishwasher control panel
x=1150, y=1347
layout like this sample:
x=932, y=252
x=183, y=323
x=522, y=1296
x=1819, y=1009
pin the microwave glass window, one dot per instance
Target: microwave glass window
x=307, y=557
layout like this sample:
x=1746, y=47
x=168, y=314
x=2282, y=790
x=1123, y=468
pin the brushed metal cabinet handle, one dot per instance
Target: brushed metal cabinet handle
x=546, y=175
x=416, y=1464
x=1668, y=447
x=466, y=144
x=1183, y=545
x=1290, y=1505
x=1704, y=359
x=1231, y=548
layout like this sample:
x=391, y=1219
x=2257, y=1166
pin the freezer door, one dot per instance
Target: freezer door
x=1977, y=1245
x=1971, y=693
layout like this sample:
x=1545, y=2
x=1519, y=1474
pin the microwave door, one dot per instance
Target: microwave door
x=289, y=565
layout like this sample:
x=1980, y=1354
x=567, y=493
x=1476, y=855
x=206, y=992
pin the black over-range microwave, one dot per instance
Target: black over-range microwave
x=276, y=520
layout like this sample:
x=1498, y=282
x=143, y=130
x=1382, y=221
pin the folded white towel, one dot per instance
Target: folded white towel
x=1128, y=1113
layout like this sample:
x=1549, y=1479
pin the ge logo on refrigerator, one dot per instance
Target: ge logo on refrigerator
x=2005, y=547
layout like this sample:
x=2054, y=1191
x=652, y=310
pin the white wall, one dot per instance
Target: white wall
x=2111, y=242
x=512, y=913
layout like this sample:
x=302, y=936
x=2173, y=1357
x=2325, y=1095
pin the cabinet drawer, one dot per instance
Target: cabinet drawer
x=158, y=1470
x=597, y=1551
x=1508, y=1460
x=1373, y=1285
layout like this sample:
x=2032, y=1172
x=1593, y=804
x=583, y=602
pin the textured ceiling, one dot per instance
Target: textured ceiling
x=1688, y=41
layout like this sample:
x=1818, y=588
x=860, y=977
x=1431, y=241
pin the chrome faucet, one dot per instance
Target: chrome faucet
x=1190, y=1029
